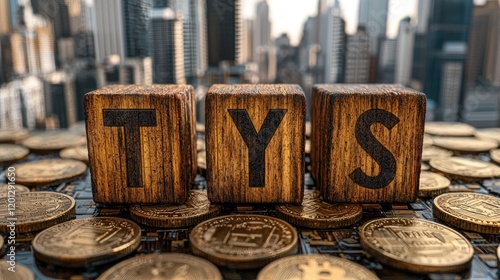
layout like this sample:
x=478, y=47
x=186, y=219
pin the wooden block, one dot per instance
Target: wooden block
x=142, y=143
x=366, y=142
x=255, y=143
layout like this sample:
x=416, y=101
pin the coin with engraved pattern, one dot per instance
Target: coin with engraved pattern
x=21, y=272
x=449, y=129
x=82, y=242
x=243, y=241
x=495, y=155
x=80, y=153
x=16, y=188
x=53, y=141
x=10, y=153
x=468, y=145
x=13, y=135
x=49, y=172
x=469, y=211
x=431, y=152
x=489, y=133
x=34, y=211
x=196, y=209
x=466, y=169
x=315, y=213
x=432, y=184
x=416, y=245
x=163, y=266
x=315, y=267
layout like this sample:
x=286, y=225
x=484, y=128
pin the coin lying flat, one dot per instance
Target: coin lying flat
x=495, y=155
x=243, y=241
x=427, y=140
x=465, y=144
x=489, y=133
x=16, y=188
x=431, y=152
x=315, y=266
x=466, y=169
x=21, y=272
x=200, y=127
x=469, y=211
x=80, y=153
x=53, y=141
x=10, y=153
x=308, y=129
x=200, y=145
x=424, y=167
x=449, y=129
x=432, y=184
x=35, y=211
x=163, y=266
x=13, y=135
x=419, y=246
x=49, y=172
x=81, y=242
x=196, y=209
x=315, y=213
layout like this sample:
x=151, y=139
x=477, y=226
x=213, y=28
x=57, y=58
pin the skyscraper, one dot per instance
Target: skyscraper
x=261, y=42
x=404, y=52
x=60, y=98
x=386, y=61
x=373, y=16
x=5, y=26
x=137, y=24
x=357, y=65
x=333, y=49
x=108, y=29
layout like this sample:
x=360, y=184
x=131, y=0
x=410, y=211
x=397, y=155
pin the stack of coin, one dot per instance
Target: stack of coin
x=466, y=169
x=431, y=152
x=489, y=133
x=416, y=245
x=465, y=145
x=80, y=153
x=53, y=141
x=315, y=266
x=10, y=153
x=432, y=184
x=13, y=135
x=35, y=211
x=454, y=129
x=243, y=241
x=21, y=272
x=469, y=211
x=315, y=213
x=163, y=266
x=49, y=172
x=89, y=241
x=196, y=209
x=16, y=188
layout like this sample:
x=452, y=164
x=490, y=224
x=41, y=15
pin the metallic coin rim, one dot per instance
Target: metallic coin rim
x=404, y=265
x=448, y=153
x=96, y=259
x=464, y=149
x=494, y=157
x=437, y=131
x=110, y=273
x=22, y=271
x=18, y=188
x=47, y=222
x=456, y=220
x=243, y=262
x=64, y=154
x=22, y=153
x=14, y=135
x=435, y=191
x=54, y=181
x=51, y=148
x=462, y=176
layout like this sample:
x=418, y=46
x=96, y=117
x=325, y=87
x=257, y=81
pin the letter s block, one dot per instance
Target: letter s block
x=142, y=143
x=255, y=143
x=366, y=142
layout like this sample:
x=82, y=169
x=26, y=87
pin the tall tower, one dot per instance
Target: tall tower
x=404, y=52
x=334, y=48
x=373, y=16
x=357, y=65
x=108, y=29
x=137, y=24
x=262, y=48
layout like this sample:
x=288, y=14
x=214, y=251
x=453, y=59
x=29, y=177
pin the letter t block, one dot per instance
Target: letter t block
x=142, y=143
x=255, y=143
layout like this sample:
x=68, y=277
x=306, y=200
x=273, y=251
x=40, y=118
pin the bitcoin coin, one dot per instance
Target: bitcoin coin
x=16, y=188
x=80, y=153
x=243, y=241
x=196, y=209
x=13, y=135
x=449, y=129
x=315, y=213
x=427, y=140
x=53, y=141
x=431, y=152
x=34, y=211
x=416, y=245
x=466, y=169
x=467, y=145
x=49, y=172
x=469, y=211
x=489, y=133
x=432, y=184
x=495, y=155
x=163, y=266
x=315, y=266
x=10, y=153
x=81, y=242
x=21, y=272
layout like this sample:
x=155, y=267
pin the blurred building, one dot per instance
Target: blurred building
x=60, y=98
x=5, y=27
x=137, y=27
x=264, y=53
x=404, y=52
x=357, y=64
x=107, y=21
x=333, y=49
x=386, y=61
x=373, y=16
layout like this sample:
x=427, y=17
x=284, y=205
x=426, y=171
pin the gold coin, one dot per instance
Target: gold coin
x=53, y=141
x=200, y=127
x=449, y=129
x=424, y=167
x=315, y=213
x=10, y=153
x=489, y=133
x=200, y=145
x=466, y=169
x=469, y=211
x=81, y=242
x=307, y=147
x=196, y=209
x=163, y=266
x=315, y=266
x=308, y=129
x=80, y=153
x=12, y=135
x=419, y=246
x=427, y=140
x=14, y=188
x=49, y=172
x=243, y=241
x=21, y=272
x=432, y=184
x=34, y=211
x=202, y=162
x=465, y=144
x=431, y=152
x=495, y=155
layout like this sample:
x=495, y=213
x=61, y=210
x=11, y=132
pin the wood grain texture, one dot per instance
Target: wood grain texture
x=164, y=135
x=238, y=115
x=366, y=142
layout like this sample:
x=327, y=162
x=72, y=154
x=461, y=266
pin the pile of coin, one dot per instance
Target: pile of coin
x=53, y=141
x=49, y=172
